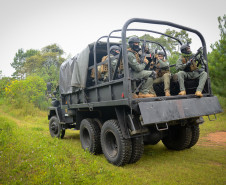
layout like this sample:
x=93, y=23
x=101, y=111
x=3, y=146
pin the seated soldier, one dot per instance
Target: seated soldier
x=102, y=70
x=189, y=70
x=163, y=74
x=137, y=69
x=114, y=54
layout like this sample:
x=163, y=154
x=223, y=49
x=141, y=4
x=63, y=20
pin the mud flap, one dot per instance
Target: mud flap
x=169, y=110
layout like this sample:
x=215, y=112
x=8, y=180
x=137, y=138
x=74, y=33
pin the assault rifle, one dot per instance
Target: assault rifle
x=143, y=48
x=195, y=58
x=153, y=58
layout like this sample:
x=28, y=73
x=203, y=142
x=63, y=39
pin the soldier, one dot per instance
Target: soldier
x=137, y=69
x=103, y=69
x=163, y=73
x=189, y=70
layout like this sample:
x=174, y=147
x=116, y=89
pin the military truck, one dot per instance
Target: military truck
x=110, y=120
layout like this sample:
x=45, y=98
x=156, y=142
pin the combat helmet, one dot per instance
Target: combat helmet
x=113, y=49
x=131, y=42
x=183, y=49
x=161, y=53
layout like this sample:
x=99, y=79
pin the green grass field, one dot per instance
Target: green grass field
x=28, y=155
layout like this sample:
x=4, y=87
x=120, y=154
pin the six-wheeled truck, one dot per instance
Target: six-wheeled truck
x=110, y=120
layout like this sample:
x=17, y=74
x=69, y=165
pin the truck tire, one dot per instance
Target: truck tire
x=55, y=128
x=90, y=136
x=178, y=138
x=116, y=149
x=195, y=135
x=137, y=149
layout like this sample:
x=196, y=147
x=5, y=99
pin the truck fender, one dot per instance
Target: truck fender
x=55, y=111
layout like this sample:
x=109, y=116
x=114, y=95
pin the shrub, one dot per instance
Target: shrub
x=31, y=90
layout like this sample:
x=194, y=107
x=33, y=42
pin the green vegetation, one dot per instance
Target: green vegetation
x=217, y=58
x=26, y=93
x=28, y=155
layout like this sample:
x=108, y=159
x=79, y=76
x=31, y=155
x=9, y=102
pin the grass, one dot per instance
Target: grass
x=28, y=155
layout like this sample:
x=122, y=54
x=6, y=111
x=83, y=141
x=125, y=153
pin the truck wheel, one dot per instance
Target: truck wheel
x=55, y=128
x=90, y=136
x=195, y=135
x=116, y=149
x=137, y=149
x=178, y=138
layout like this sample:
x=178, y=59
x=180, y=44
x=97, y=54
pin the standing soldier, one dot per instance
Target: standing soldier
x=137, y=69
x=163, y=73
x=189, y=70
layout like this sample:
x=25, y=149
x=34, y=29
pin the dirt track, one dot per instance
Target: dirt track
x=214, y=139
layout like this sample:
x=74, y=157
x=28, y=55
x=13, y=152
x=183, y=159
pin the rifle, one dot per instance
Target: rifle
x=117, y=65
x=201, y=59
x=199, y=51
x=152, y=59
x=143, y=51
x=194, y=58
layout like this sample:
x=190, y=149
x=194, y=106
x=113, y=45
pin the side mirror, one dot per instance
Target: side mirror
x=49, y=87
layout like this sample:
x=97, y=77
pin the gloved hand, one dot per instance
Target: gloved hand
x=153, y=75
x=201, y=70
x=188, y=63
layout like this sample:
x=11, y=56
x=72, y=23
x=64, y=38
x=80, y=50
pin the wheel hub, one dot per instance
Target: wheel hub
x=112, y=146
x=54, y=127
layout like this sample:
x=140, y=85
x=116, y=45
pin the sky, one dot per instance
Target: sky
x=73, y=24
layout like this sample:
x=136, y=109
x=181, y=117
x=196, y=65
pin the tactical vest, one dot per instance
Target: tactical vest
x=135, y=53
x=193, y=65
x=103, y=69
x=161, y=70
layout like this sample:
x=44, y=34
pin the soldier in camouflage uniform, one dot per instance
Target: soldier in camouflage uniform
x=189, y=70
x=114, y=54
x=137, y=69
x=102, y=70
x=163, y=73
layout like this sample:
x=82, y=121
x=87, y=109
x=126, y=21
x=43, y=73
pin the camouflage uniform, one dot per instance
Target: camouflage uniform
x=163, y=74
x=190, y=73
x=138, y=72
x=114, y=60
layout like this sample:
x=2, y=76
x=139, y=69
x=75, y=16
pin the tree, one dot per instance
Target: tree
x=19, y=60
x=170, y=45
x=46, y=64
x=217, y=60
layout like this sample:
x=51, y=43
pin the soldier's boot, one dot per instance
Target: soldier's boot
x=153, y=95
x=198, y=93
x=141, y=95
x=134, y=96
x=182, y=93
x=167, y=93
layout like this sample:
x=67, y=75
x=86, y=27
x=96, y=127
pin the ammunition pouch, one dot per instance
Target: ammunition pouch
x=161, y=72
x=103, y=69
x=193, y=66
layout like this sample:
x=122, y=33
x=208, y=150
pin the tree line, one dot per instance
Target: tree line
x=34, y=68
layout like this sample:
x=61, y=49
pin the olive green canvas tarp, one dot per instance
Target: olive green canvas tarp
x=73, y=72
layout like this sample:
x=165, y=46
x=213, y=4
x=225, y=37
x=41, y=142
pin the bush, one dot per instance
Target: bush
x=21, y=93
x=4, y=82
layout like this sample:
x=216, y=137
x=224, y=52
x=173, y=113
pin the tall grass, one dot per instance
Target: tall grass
x=28, y=155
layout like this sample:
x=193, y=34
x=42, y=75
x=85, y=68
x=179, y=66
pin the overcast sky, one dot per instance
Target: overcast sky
x=72, y=24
